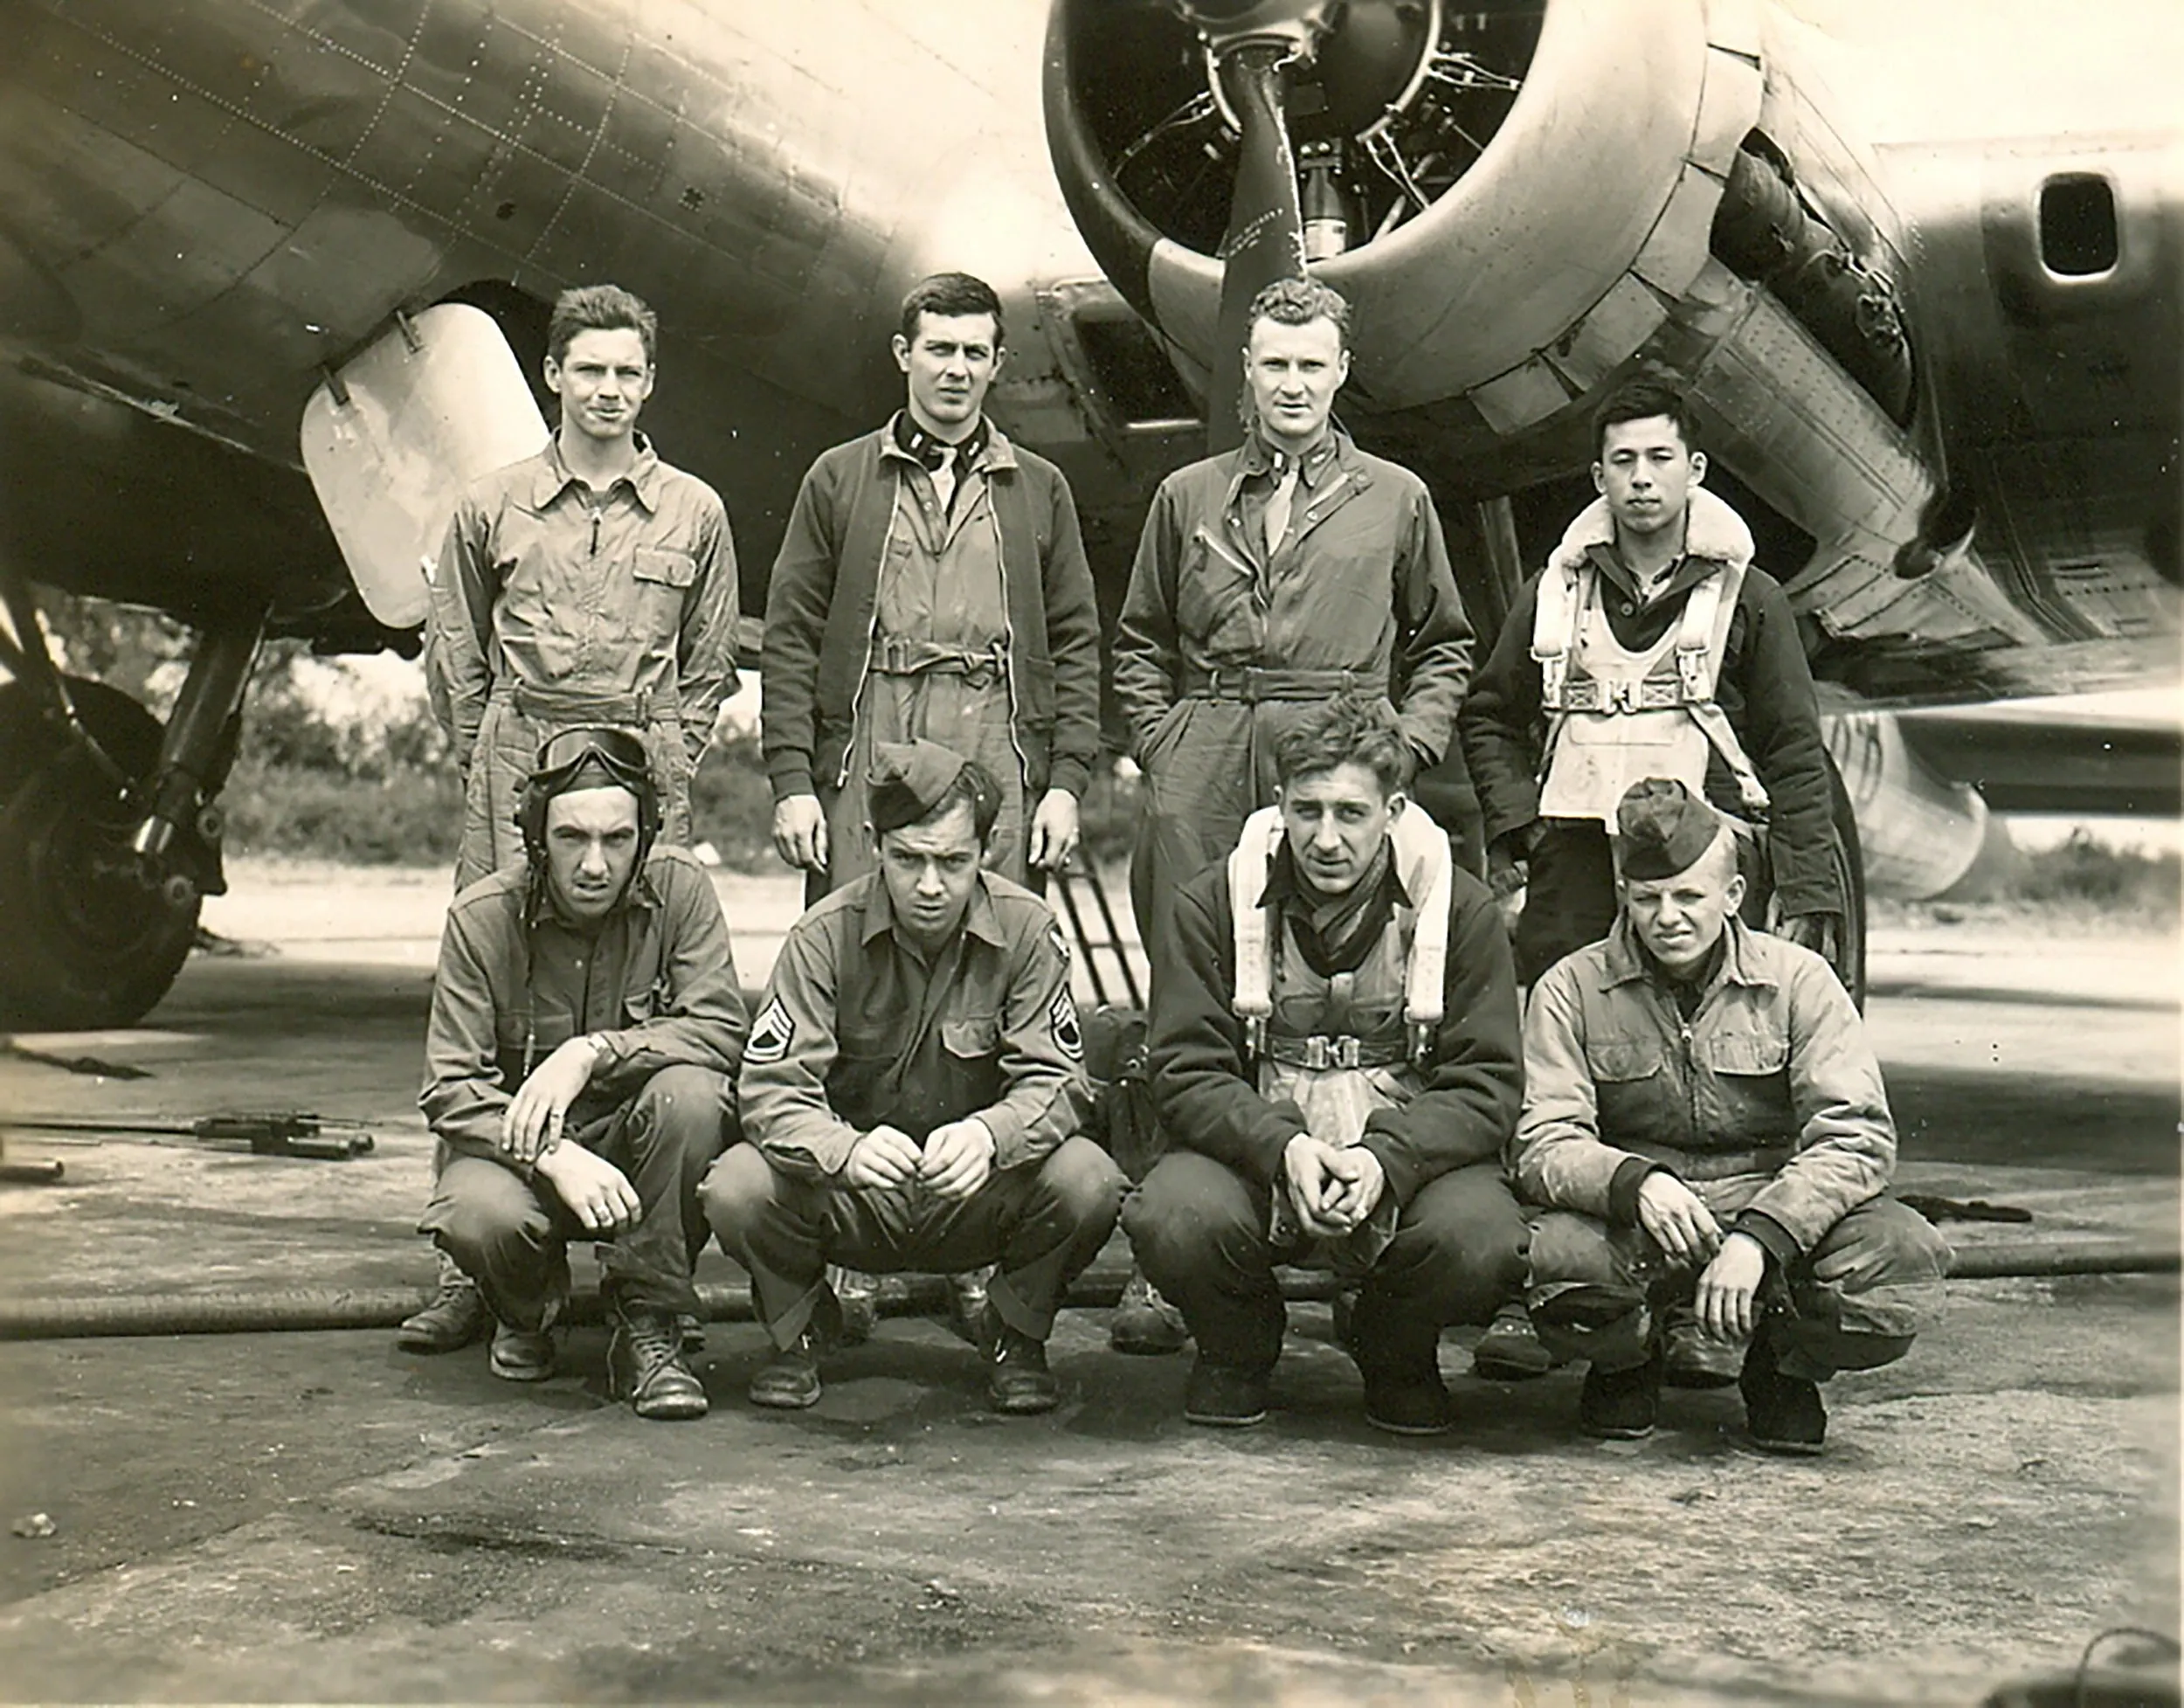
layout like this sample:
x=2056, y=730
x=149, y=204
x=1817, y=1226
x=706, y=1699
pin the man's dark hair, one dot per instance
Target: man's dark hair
x=1641, y=400
x=1299, y=302
x=599, y=308
x=951, y=293
x=1351, y=729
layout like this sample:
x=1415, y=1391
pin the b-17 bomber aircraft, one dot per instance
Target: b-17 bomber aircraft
x=274, y=277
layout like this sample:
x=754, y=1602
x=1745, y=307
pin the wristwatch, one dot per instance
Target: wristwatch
x=602, y=1051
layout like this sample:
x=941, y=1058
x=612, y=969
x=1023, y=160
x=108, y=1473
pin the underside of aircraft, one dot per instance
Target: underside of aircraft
x=274, y=277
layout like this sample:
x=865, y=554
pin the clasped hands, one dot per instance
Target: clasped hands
x=953, y=1163
x=1332, y=1187
x=1734, y=1263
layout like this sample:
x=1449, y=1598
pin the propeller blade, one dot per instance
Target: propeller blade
x=1265, y=239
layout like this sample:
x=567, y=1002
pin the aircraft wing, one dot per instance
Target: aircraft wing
x=2105, y=754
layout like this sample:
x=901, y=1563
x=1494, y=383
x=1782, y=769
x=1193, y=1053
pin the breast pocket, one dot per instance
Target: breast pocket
x=1636, y=1095
x=665, y=566
x=1619, y=1061
x=1750, y=1081
x=660, y=581
x=974, y=1036
x=971, y=1066
x=1215, y=602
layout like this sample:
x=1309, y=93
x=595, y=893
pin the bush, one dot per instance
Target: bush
x=731, y=806
x=408, y=816
x=2083, y=872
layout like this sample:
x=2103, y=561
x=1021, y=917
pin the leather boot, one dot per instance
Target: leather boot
x=645, y=1365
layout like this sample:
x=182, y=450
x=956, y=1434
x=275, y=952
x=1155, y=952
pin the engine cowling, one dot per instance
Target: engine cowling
x=1529, y=198
x=1918, y=833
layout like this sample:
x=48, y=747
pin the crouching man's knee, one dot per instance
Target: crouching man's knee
x=1869, y=1284
x=689, y=1108
x=738, y=1192
x=1084, y=1183
x=1192, y=1212
x=1460, y=1249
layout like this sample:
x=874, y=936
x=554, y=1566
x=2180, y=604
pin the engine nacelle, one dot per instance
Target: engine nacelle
x=1535, y=196
x=1919, y=833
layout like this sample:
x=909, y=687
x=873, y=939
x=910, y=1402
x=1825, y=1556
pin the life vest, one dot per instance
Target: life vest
x=1617, y=716
x=1422, y=862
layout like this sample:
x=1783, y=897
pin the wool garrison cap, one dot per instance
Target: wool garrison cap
x=907, y=779
x=1663, y=829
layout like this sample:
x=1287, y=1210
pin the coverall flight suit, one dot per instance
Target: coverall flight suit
x=1223, y=642
x=553, y=606
x=892, y=615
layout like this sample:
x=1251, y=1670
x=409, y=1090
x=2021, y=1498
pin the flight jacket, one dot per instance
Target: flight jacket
x=1765, y=689
x=1771, y=1075
x=819, y=615
x=1206, y=1087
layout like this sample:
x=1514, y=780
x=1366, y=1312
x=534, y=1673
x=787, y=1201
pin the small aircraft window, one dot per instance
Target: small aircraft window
x=2078, y=225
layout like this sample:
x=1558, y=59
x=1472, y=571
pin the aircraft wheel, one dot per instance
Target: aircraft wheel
x=88, y=943
x=1851, y=874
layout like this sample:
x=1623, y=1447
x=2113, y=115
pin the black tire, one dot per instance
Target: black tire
x=87, y=943
x=1851, y=874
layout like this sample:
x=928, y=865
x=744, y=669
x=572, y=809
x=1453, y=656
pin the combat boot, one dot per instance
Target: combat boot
x=1222, y=1396
x=1510, y=1350
x=1399, y=1358
x=1017, y=1379
x=1785, y=1413
x=521, y=1355
x=1143, y=1324
x=645, y=1365
x=456, y=1317
x=1621, y=1405
x=789, y=1381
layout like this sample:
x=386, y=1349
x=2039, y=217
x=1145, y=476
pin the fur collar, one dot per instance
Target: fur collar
x=1713, y=530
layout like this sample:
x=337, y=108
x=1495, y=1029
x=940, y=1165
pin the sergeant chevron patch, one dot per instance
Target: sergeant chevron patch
x=770, y=1038
x=1063, y=1016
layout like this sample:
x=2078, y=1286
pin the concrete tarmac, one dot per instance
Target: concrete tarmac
x=311, y=1516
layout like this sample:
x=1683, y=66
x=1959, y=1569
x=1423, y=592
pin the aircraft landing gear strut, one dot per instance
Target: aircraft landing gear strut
x=108, y=836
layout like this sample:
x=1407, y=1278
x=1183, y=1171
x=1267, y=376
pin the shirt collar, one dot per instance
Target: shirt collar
x=1260, y=457
x=987, y=449
x=979, y=919
x=553, y=476
x=1744, y=959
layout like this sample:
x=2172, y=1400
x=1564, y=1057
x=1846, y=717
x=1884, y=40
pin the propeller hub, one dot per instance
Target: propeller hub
x=1226, y=25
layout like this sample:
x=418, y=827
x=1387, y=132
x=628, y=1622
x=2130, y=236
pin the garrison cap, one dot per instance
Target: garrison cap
x=1664, y=830
x=908, y=779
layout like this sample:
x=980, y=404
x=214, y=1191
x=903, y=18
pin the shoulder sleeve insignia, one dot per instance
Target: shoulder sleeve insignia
x=1062, y=1017
x=770, y=1038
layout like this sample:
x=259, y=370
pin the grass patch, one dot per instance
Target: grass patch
x=2085, y=872
x=408, y=816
